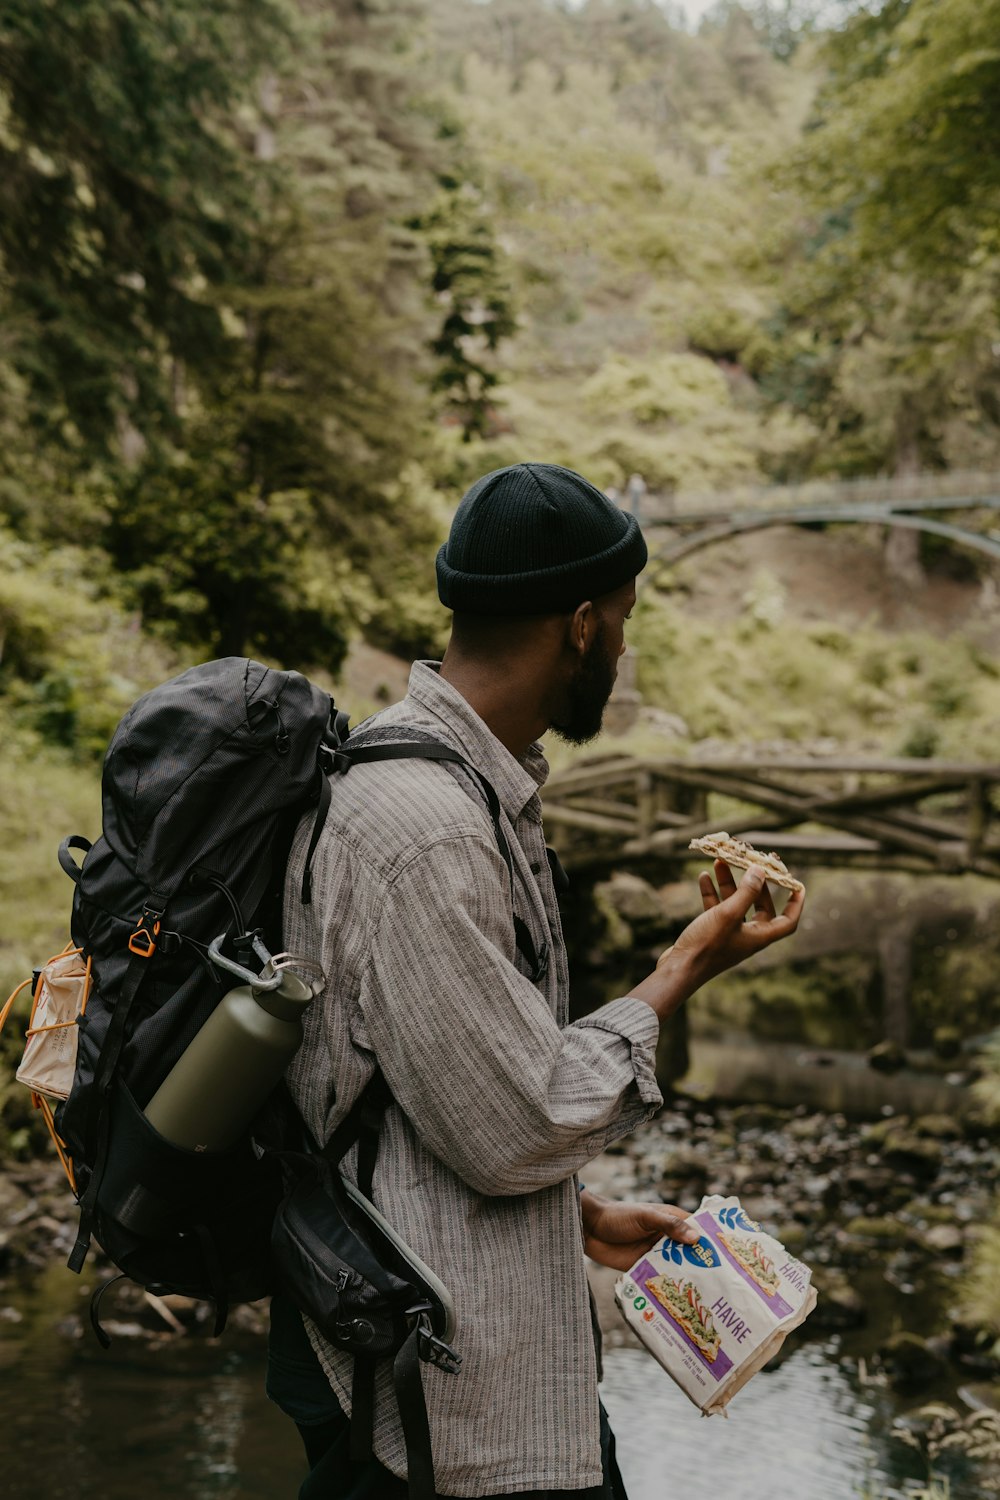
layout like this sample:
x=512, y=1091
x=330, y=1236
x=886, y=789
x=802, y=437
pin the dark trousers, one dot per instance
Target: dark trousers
x=296, y=1383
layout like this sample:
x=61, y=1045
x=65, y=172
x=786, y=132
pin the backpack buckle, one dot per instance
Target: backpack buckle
x=434, y=1350
x=143, y=940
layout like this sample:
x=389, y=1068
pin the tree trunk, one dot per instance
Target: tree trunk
x=902, y=544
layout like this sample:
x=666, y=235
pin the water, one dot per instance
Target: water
x=801, y=1430
x=190, y=1418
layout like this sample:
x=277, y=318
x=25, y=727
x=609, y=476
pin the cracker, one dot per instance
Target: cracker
x=743, y=855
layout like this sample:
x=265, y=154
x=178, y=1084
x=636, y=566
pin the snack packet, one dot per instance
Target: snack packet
x=713, y=1313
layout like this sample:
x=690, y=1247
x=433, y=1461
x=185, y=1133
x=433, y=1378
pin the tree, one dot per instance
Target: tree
x=472, y=290
x=125, y=197
x=907, y=133
x=275, y=508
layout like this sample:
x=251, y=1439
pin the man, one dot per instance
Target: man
x=499, y=1101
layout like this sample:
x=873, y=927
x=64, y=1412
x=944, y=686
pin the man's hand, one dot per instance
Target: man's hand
x=720, y=937
x=617, y=1234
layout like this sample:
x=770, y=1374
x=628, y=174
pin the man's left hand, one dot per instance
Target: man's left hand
x=617, y=1234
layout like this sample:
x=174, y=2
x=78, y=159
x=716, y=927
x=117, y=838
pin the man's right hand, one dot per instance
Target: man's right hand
x=720, y=937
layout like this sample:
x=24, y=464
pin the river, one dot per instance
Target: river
x=160, y=1415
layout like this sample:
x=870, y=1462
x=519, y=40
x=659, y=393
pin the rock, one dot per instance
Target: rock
x=947, y=1042
x=981, y=1396
x=764, y=1209
x=614, y=933
x=887, y=1057
x=908, y=1152
x=911, y=1361
x=943, y=1238
x=840, y=1304
x=885, y=1231
x=757, y=1117
x=925, y=1213
x=878, y=1131
x=938, y=1127
x=686, y=1166
x=634, y=900
x=794, y=1237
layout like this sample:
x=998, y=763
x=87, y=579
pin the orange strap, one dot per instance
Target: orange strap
x=8, y=1003
x=40, y=1102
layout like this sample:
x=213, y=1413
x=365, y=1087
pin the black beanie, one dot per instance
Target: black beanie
x=536, y=539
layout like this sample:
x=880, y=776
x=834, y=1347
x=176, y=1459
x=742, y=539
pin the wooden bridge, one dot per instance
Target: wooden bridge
x=922, y=816
x=677, y=525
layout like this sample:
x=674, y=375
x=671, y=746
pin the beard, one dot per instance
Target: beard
x=582, y=711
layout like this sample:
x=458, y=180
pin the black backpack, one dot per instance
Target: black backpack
x=204, y=783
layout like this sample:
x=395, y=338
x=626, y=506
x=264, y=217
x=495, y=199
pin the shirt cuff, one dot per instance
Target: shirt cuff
x=636, y=1022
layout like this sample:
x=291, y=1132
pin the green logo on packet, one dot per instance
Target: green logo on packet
x=639, y=1304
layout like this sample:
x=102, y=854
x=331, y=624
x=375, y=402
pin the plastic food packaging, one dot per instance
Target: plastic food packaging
x=713, y=1313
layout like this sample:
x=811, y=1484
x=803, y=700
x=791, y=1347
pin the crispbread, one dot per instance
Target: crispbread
x=743, y=855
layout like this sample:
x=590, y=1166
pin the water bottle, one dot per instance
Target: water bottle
x=220, y=1081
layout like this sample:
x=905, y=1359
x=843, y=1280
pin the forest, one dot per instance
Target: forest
x=280, y=278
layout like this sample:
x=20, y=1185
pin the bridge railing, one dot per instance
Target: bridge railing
x=924, y=816
x=821, y=494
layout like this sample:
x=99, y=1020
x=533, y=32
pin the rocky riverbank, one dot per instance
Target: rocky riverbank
x=884, y=1211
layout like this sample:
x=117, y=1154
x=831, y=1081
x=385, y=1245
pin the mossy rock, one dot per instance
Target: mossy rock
x=938, y=1127
x=614, y=934
x=907, y=1152
x=887, y=1057
x=633, y=901
x=947, y=1042
x=943, y=1239
x=884, y=1231
x=685, y=1165
x=794, y=1237
x=910, y=1361
x=879, y=1131
x=929, y=1213
x=839, y=1303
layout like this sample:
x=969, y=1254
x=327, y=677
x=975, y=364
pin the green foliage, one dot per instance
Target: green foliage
x=908, y=127
x=227, y=569
x=124, y=195
x=909, y=693
x=70, y=660
x=471, y=287
x=886, y=330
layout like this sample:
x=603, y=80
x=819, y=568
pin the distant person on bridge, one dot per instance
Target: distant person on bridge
x=452, y=978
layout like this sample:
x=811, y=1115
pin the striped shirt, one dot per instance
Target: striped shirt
x=499, y=1099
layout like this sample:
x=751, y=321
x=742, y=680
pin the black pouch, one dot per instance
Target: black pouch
x=185, y=1221
x=343, y=1265
x=338, y=1260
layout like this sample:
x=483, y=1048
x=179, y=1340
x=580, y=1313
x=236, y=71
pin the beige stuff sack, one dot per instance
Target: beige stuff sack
x=49, y=1059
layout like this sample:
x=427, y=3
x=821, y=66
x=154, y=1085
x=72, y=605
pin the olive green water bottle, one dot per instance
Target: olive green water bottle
x=220, y=1081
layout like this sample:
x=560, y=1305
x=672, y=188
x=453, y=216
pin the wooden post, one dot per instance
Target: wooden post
x=895, y=952
x=979, y=814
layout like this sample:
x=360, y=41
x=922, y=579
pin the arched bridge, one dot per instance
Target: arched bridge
x=678, y=525
x=923, y=816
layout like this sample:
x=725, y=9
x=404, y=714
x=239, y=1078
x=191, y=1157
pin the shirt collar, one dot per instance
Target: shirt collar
x=515, y=780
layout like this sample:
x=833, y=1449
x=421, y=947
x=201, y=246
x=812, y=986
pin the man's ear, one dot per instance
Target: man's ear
x=582, y=626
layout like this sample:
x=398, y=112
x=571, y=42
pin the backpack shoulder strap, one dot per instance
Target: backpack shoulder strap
x=416, y=749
